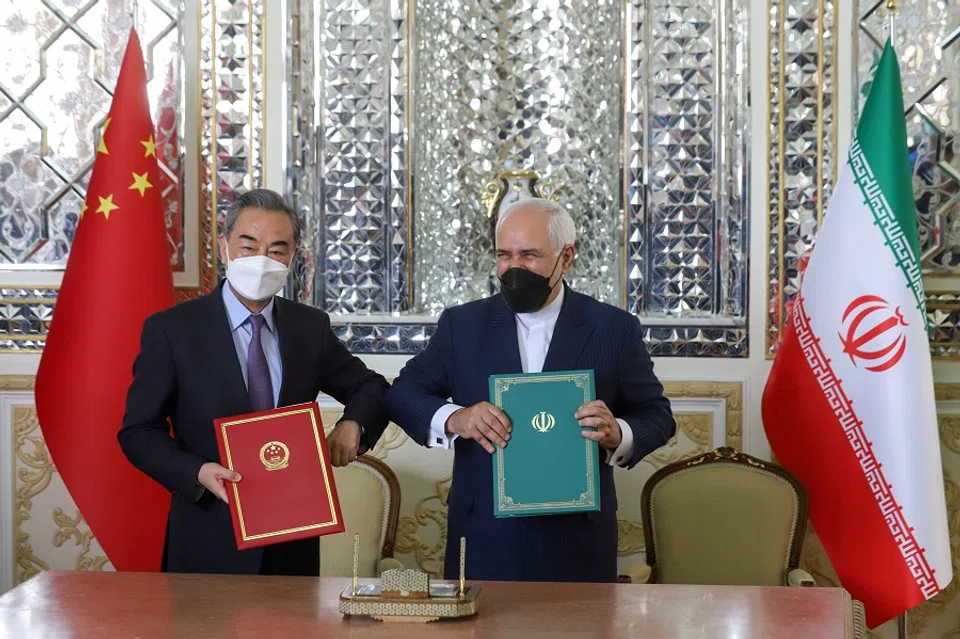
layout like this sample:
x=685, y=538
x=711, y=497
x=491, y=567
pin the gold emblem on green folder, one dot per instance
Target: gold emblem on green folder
x=543, y=421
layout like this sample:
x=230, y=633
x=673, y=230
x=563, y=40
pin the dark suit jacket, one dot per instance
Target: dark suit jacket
x=479, y=339
x=187, y=371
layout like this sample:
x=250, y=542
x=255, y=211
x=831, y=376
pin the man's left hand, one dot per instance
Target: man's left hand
x=597, y=415
x=344, y=442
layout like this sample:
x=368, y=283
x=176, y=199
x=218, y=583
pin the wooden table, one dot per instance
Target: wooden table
x=108, y=605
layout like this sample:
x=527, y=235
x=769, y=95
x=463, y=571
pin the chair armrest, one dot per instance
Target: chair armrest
x=798, y=577
x=636, y=574
x=389, y=563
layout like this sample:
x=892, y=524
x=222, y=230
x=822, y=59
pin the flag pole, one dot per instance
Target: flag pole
x=892, y=26
x=892, y=16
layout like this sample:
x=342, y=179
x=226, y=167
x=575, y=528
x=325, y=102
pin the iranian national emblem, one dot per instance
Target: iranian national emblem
x=275, y=455
x=543, y=421
x=873, y=333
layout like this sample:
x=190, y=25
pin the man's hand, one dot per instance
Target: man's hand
x=482, y=422
x=212, y=475
x=344, y=443
x=597, y=415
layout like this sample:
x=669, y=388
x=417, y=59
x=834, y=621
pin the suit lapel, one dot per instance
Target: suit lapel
x=570, y=334
x=500, y=332
x=289, y=350
x=224, y=350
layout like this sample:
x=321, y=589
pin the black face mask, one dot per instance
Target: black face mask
x=526, y=291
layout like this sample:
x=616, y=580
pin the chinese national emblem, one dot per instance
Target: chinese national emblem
x=873, y=333
x=275, y=455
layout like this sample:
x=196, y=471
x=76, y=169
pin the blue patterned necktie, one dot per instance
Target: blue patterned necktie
x=259, y=385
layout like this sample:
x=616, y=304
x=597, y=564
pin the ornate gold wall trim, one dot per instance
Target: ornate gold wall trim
x=697, y=426
x=34, y=475
x=16, y=383
x=70, y=528
x=947, y=392
x=630, y=540
x=431, y=511
x=730, y=392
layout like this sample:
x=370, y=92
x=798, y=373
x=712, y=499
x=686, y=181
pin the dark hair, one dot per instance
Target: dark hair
x=261, y=199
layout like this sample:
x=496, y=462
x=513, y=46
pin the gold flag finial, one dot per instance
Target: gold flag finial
x=892, y=26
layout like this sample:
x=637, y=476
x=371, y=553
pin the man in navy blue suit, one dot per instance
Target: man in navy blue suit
x=536, y=323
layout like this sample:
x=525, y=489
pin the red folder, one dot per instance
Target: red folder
x=287, y=490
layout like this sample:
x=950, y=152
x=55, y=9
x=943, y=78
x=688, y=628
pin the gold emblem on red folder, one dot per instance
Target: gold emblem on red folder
x=543, y=421
x=275, y=455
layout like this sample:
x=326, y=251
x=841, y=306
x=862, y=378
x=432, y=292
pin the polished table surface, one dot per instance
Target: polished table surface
x=108, y=605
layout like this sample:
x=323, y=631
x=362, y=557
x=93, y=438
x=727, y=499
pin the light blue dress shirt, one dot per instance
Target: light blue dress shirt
x=242, y=331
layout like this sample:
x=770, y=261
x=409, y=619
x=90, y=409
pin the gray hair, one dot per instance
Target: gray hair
x=560, y=227
x=261, y=199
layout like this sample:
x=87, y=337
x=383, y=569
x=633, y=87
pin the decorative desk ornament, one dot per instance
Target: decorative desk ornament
x=408, y=595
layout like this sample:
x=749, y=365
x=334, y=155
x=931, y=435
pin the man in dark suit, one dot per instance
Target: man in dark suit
x=237, y=350
x=536, y=323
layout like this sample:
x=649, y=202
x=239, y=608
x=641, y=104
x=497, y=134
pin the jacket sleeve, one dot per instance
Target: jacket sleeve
x=144, y=435
x=640, y=399
x=423, y=385
x=362, y=392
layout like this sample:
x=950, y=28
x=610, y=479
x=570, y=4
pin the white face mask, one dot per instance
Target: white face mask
x=256, y=277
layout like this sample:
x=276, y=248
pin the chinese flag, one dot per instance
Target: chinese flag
x=117, y=274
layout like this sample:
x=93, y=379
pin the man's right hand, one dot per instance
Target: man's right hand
x=212, y=475
x=482, y=422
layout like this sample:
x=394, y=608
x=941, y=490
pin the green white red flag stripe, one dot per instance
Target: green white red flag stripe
x=849, y=405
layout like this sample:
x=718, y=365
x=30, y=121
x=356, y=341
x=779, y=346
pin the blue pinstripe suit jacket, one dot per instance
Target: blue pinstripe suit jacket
x=479, y=339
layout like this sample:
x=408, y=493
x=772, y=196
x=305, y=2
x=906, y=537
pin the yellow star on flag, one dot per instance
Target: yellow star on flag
x=150, y=146
x=83, y=209
x=107, y=206
x=140, y=183
x=103, y=145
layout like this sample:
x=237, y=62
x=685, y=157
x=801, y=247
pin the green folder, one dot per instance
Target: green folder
x=548, y=467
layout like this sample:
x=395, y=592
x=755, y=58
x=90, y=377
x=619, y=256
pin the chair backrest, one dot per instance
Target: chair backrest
x=723, y=517
x=370, y=501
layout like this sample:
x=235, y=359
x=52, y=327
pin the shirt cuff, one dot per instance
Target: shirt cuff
x=624, y=451
x=438, y=434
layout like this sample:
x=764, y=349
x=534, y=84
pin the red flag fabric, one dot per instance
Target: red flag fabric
x=117, y=274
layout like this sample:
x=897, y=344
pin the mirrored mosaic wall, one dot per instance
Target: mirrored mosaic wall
x=348, y=93
x=928, y=47
x=803, y=138
x=58, y=66
x=519, y=86
x=685, y=151
x=231, y=117
x=659, y=195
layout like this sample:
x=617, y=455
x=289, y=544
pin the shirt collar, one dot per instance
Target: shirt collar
x=548, y=313
x=238, y=313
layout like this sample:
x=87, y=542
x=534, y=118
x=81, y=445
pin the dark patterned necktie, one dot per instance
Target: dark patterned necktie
x=259, y=385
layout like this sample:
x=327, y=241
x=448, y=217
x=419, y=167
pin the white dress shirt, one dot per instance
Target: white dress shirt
x=534, y=332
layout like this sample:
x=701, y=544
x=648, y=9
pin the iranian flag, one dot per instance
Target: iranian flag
x=849, y=404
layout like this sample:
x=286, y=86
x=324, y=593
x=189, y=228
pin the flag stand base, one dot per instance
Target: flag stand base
x=902, y=626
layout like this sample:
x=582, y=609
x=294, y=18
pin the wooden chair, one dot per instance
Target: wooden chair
x=370, y=500
x=723, y=517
